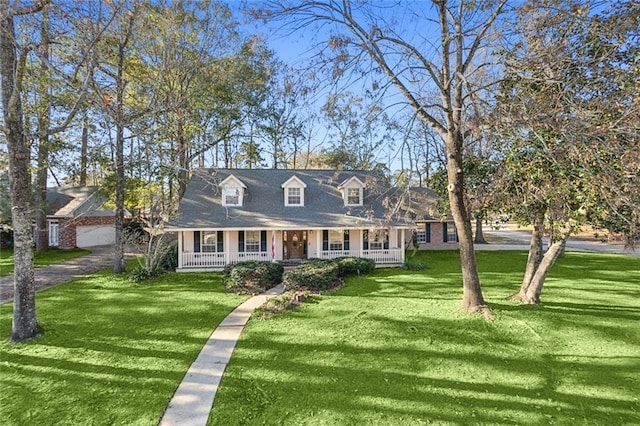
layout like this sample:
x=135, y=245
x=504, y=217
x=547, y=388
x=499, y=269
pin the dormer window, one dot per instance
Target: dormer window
x=352, y=191
x=232, y=191
x=231, y=196
x=354, y=197
x=294, y=191
x=294, y=197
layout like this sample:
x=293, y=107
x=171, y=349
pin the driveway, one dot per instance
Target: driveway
x=521, y=239
x=100, y=257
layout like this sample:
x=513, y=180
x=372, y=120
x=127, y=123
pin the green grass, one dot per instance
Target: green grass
x=41, y=259
x=391, y=349
x=113, y=352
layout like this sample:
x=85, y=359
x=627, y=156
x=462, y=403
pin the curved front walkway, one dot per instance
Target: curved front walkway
x=193, y=400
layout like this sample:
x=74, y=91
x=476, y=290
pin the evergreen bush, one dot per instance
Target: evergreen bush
x=313, y=274
x=354, y=266
x=252, y=276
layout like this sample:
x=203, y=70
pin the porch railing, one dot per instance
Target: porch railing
x=381, y=257
x=218, y=260
x=241, y=257
x=203, y=260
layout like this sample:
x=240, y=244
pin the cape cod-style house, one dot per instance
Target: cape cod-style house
x=231, y=215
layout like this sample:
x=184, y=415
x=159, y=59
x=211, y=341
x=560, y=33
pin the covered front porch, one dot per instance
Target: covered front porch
x=212, y=249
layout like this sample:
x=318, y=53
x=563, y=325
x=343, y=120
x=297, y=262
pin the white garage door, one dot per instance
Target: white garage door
x=95, y=235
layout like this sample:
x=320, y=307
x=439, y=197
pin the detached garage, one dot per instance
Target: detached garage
x=79, y=217
x=95, y=235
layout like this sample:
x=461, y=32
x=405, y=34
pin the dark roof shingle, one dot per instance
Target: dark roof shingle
x=263, y=205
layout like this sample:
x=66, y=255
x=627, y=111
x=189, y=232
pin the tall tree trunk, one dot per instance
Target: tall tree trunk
x=44, y=111
x=472, y=299
x=534, y=289
x=535, y=254
x=183, y=159
x=118, y=255
x=84, y=147
x=25, y=324
x=538, y=266
x=479, y=235
x=42, y=231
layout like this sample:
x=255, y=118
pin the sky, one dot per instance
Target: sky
x=297, y=48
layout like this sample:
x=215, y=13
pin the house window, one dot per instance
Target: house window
x=423, y=234
x=231, y=196
x=252, y=241
x=353, y=197
x=209, y=241
x=336, y=240
x=53, y=234
x=449, y=234
x=294, y=196
x=376, y=239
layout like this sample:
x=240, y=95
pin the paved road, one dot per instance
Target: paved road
x=523, y=238
x=99, y=258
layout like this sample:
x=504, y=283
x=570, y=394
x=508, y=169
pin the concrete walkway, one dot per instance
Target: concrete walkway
x=100, y=257
x=193, y=400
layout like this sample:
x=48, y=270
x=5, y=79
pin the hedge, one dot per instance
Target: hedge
x=313, y=274
x=252, y=276
x=354, y=266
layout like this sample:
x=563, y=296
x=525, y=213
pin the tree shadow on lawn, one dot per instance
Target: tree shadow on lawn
x=399, y=283
x=349, y=384
x=113, y=351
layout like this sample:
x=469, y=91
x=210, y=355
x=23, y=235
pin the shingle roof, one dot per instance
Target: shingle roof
x=422, y=203
x=73, y=201
x=263, y=205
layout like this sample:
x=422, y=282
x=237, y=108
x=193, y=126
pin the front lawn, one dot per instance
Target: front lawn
x=113, y=352
x=390, y=349
x=40, y=259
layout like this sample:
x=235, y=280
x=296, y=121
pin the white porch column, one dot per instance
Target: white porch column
x=402, y=243
x=180, y=238
x=318, y=234
x=227, y=246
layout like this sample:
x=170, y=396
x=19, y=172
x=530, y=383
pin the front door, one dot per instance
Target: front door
x=295, y=244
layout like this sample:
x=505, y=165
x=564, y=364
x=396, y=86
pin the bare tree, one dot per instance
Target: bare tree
x=434, y=49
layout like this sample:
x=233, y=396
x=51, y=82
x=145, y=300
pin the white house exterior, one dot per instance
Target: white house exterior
x=231, y=215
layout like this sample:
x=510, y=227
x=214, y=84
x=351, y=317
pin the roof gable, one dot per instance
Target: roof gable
x=350, y=181
x=231, y=180
x=73, y=201
x=294, y=179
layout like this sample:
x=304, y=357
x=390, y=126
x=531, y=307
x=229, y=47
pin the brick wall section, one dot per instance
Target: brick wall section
x=437, y=230
x=67, y=228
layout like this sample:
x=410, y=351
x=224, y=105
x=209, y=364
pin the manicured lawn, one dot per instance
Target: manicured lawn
x=113, y=352
x=390, y=349
x=40, y=259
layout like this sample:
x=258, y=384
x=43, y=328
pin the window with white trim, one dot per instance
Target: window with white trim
x=376, y=239
x=209, y=241
x=231, y=196
x=252, y=241
x=423, y=234
x=336, y=240
x=294, y=196
x=354, y=196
